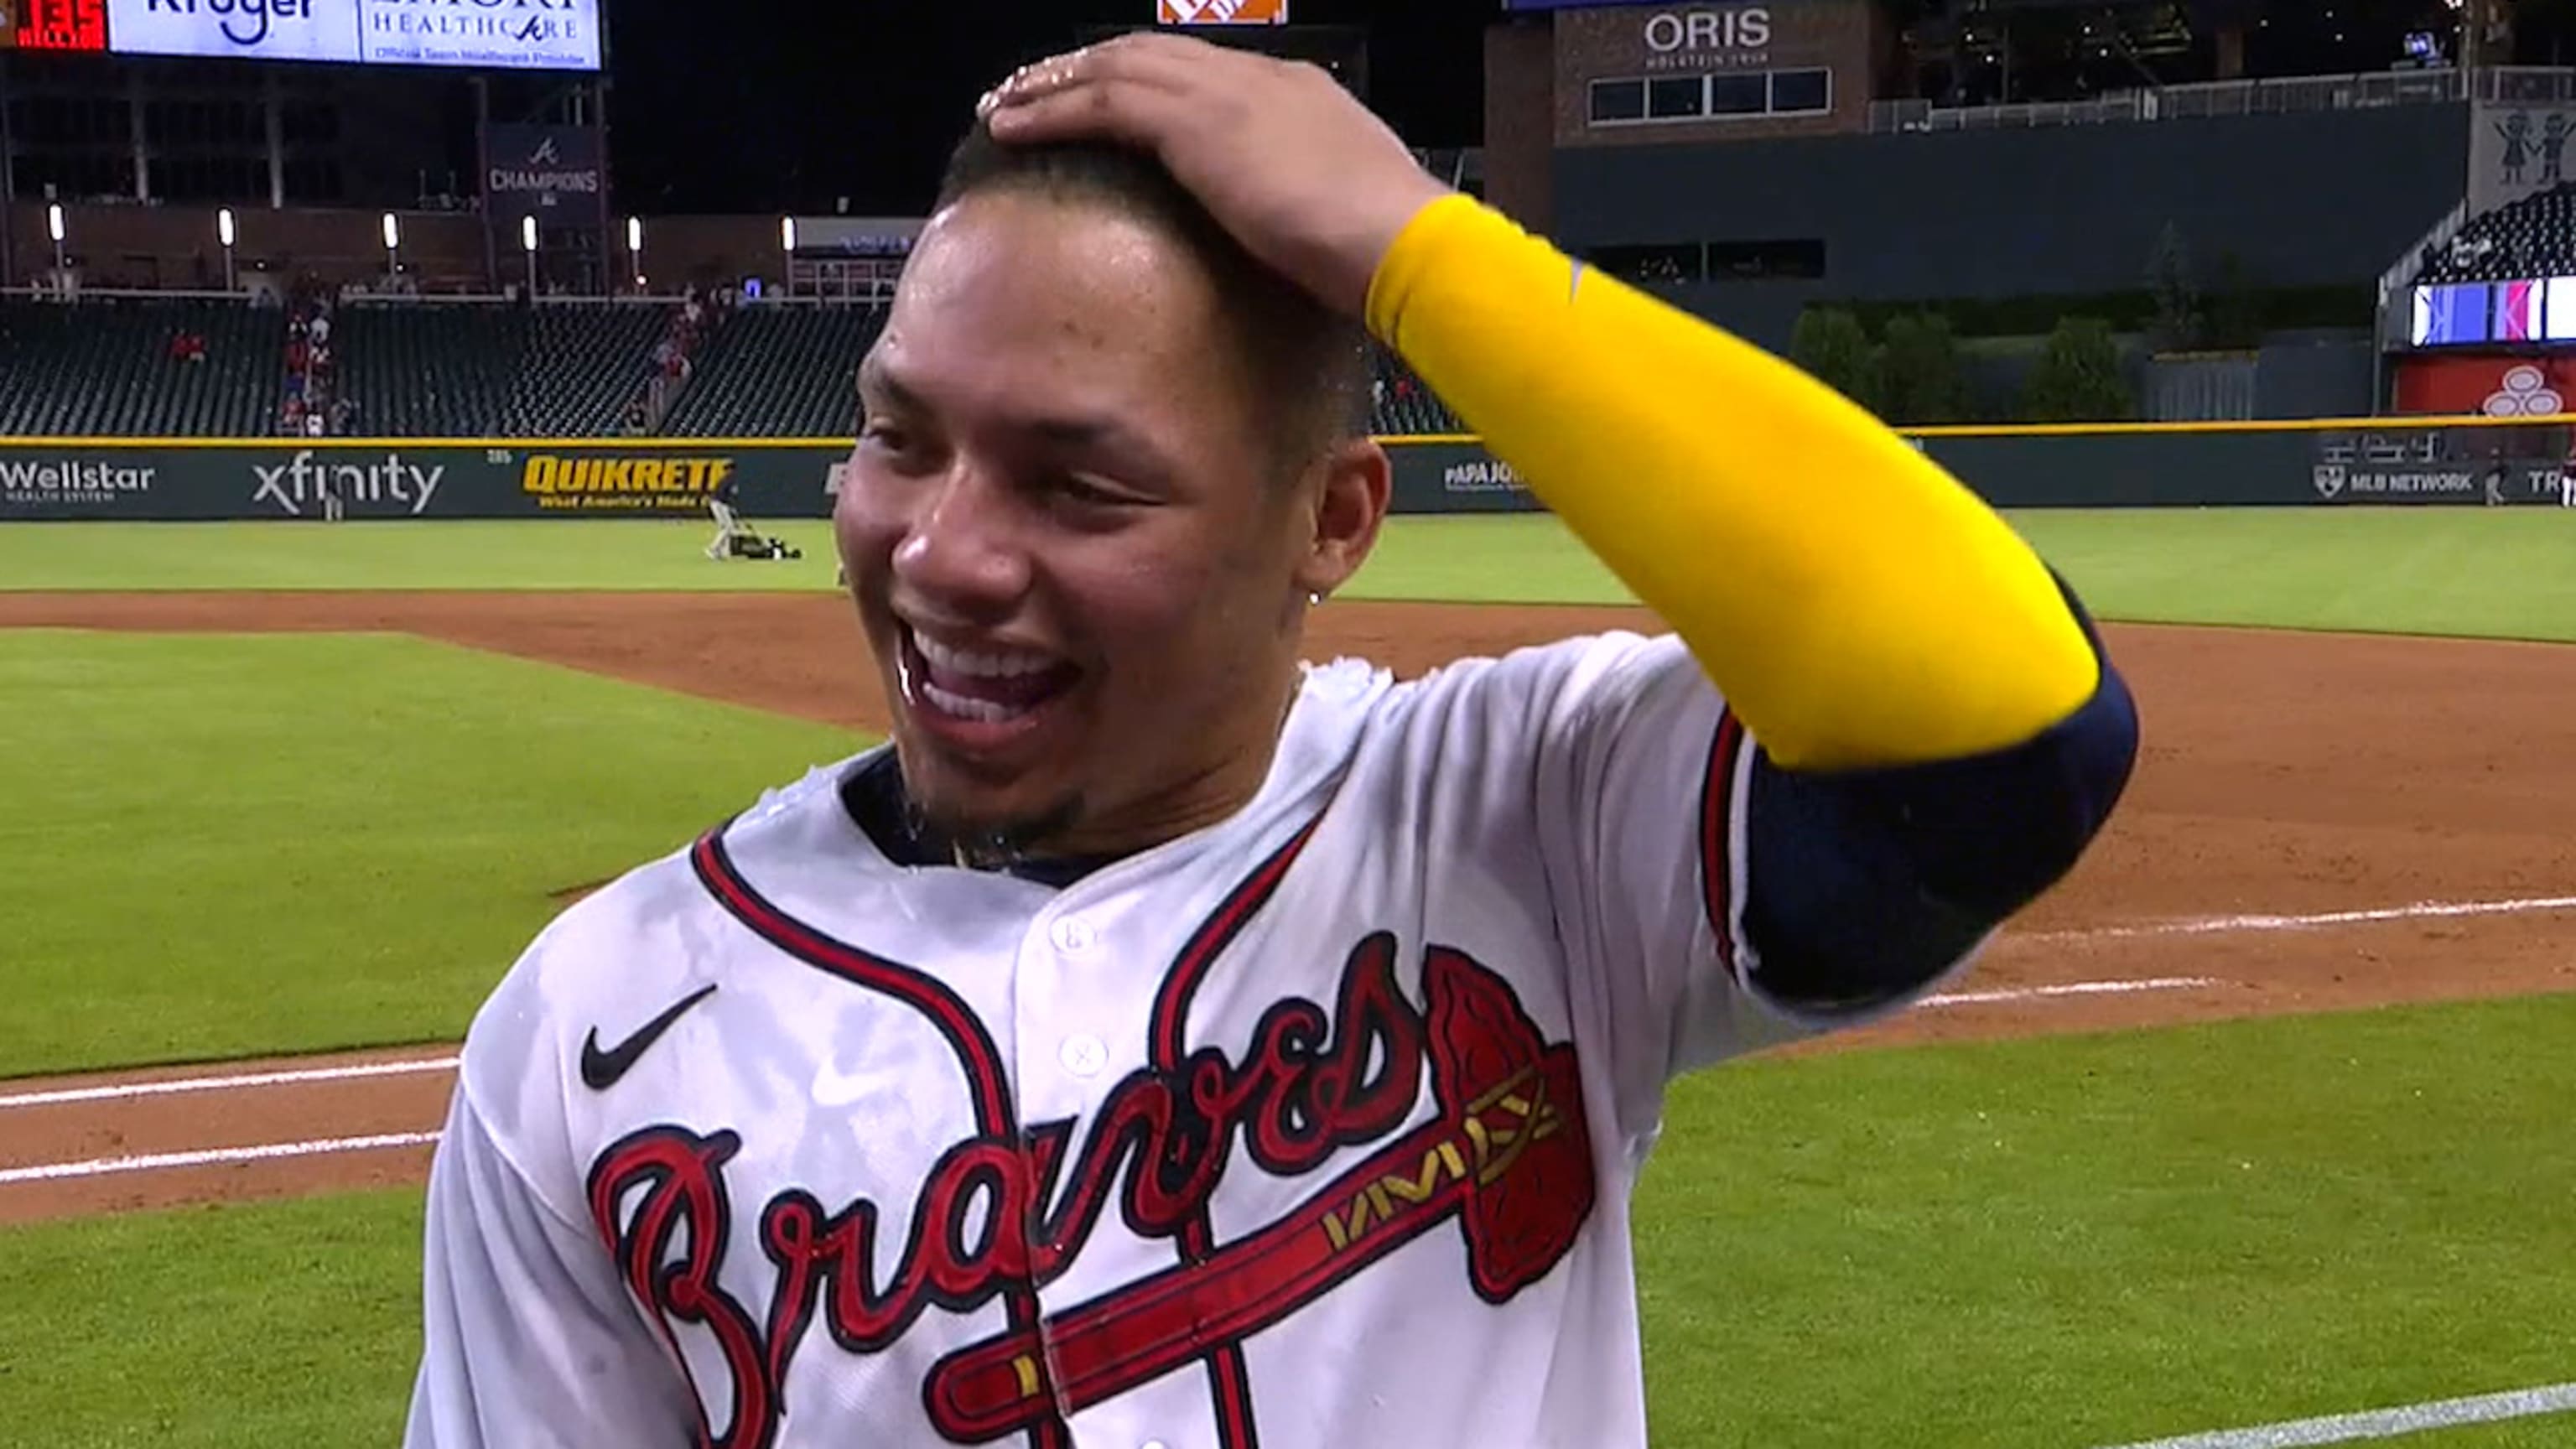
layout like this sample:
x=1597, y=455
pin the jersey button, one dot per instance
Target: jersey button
x=1083, y=1055
x=1073, y=935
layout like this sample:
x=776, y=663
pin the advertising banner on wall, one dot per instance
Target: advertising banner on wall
x=2496, y=385
x=54, y=24
x=396, y=479
x=2517, y=150
x=1221, y=12
x=471, y=34
x=480, y=34
x=552, y=173
x=1455, y=478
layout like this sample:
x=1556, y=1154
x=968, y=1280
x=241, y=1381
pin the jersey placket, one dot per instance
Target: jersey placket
x=1077, y=1035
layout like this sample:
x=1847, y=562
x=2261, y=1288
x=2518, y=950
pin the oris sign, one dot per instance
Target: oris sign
x=1706, y=34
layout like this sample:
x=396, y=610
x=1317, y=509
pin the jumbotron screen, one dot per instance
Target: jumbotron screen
x=2470, y=314
x=463, y=34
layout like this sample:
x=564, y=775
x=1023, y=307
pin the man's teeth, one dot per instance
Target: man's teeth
x=967, y=706
x=985, y=666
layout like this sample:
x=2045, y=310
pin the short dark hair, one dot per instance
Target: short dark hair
x=1311, y=362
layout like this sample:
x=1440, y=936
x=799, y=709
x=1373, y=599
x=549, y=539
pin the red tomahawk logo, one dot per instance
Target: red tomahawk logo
x=1508, y=1156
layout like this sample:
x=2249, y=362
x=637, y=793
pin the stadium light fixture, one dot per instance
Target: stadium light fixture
x=787, y=232
x=224, y=234
x=54, y=221
x=393, y=232
x=634, y=236
x=527, y=233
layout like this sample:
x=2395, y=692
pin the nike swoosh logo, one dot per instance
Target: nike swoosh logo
x=601, y=1069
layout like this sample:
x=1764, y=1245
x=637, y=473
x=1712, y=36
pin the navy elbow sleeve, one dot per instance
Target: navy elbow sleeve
x=1864, y=884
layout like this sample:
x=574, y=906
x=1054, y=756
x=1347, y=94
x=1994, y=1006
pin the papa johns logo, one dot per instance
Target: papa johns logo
x=1484, y=475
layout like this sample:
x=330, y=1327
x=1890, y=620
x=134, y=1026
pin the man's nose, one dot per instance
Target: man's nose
x=963, y=550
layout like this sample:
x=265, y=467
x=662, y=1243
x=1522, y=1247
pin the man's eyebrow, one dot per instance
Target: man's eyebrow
x=875, y=377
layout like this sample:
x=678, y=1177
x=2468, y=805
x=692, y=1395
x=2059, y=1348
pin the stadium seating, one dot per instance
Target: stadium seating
x=101, y=368
x=777, y=372
x=485, y=370
x=1405, y=407
x=2533, y=237
x=472, y=370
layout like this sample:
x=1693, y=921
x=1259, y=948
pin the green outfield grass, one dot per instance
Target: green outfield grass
x=2042, y=1244
x=2506, y=573
x=214, y=1328
x=222, y=845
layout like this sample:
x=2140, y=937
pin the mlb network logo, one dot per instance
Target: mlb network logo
x=1221, y=12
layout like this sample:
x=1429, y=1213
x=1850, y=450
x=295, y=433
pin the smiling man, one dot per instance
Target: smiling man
x=1169, y=1041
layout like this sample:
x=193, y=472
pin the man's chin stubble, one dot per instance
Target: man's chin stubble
x=986, y=842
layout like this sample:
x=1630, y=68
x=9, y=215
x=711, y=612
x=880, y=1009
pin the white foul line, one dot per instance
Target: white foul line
x=2214, y=925
x=226, y=1083
x=2071, y=988
x=210, y=1157
x=2381, y=1423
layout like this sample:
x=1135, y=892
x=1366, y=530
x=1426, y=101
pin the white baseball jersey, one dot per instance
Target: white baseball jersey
x=1314, y=1129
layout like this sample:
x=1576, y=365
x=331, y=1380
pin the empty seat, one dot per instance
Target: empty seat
x=105, y=368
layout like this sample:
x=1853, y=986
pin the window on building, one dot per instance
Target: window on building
x=1739, y=95
x=1618, y=100
x=1801, y=92
x=1678, y=97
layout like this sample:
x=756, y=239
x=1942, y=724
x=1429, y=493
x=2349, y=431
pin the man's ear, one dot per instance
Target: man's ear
x=1353, y=485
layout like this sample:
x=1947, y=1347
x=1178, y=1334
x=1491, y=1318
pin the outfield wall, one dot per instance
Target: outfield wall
x=2382, y=460
x=2179, y=465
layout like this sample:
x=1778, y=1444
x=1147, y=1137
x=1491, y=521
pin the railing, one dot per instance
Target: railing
x=2394, y=281
x=2530, y=85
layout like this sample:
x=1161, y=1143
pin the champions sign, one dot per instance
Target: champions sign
x=552, y=173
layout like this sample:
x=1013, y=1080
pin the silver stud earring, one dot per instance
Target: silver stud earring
x=1315, y=601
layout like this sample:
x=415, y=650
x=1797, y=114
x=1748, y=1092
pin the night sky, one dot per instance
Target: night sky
x=712, y=112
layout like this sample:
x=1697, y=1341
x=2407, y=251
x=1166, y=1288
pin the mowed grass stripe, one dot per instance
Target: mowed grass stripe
x=2041, y=1244
x=2503, y=573
x=223, y=846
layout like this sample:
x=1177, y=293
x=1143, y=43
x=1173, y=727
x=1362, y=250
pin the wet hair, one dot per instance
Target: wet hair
x=1310, y=362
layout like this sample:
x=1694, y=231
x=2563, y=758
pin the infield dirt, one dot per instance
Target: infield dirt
x=2283, y=775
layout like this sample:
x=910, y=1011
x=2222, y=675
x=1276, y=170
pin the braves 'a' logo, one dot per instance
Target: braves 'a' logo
x=1505, y=1156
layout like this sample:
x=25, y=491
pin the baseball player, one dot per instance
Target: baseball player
x=725, y=502
x=1165, y=1042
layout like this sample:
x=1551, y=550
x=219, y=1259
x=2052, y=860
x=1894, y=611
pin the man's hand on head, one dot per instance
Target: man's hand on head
x=1304, y=175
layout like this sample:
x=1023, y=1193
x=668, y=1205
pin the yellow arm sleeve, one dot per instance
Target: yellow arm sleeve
x=1857, y=605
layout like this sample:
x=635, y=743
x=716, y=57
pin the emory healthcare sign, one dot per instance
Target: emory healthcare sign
x=470, y=34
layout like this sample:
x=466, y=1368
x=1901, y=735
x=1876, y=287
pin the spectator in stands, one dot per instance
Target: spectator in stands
x=344, y=416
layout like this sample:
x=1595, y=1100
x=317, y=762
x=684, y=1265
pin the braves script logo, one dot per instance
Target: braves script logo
x=1505, y=1156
